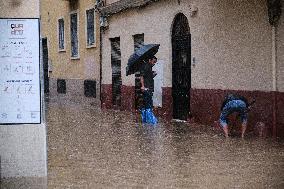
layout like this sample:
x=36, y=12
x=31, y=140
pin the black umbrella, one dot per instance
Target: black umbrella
x=135, y=60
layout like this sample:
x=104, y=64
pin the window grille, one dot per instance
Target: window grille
x=90, y=88
x=90, y=27
x=61, y=86
x=74, y=35
x=138, y=41
x=116, y=71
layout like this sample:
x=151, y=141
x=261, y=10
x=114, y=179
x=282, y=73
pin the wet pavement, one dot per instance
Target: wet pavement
x=93, y=148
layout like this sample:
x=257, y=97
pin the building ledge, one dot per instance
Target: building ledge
x=123, y=5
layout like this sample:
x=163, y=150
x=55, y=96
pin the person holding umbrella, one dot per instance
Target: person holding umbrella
x=147, y=81
x=142, y=60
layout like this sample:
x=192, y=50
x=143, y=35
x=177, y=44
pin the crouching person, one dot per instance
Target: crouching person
x=235, y=103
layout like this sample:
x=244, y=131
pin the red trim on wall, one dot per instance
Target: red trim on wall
x=274, y=112
x=128, y=98
x=280, y=114
x=205, y=106
x=167, y=104
x=206, y=103
x=106, y=96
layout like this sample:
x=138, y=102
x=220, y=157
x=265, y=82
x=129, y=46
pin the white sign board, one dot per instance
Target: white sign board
x=158, y=83
x=20, y=100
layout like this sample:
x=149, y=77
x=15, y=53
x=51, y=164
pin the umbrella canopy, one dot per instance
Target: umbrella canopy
x=135, y=60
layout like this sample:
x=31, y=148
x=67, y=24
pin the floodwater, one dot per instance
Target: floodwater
x=93, y=148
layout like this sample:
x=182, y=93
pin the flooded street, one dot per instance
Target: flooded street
x=92, y=148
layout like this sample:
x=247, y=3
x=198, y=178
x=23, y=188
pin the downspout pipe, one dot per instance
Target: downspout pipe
x=101, y=45
x=273, y=56
x=274, y=81
x=99, y=4
x=103, y=26
x=274, y=13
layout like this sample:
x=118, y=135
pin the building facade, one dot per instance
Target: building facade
x=208, y=49
x=71, y=49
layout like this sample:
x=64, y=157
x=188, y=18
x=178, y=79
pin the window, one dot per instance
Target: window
x=74, y=35
x=116, y=70
x=61, y=34
x=138, y=40
x=90, y=20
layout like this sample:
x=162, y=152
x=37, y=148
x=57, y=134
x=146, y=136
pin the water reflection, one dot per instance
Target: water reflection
x=90, y=148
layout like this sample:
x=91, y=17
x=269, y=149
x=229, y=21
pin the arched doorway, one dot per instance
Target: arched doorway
x=181, y=68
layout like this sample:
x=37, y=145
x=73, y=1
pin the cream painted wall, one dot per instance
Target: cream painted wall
x=87, y=66
x=231, y=42
x=19, y=8
x=280, y=52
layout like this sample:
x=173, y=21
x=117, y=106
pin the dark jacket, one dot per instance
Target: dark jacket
x=148, y=76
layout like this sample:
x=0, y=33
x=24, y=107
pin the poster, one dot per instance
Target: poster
x=20, y=97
